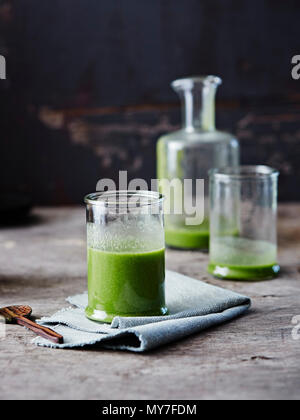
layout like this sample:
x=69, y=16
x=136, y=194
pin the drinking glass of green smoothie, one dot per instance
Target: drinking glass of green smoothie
x=126, y=255
x=243, y=211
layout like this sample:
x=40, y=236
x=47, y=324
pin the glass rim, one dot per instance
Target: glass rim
x=189, y=82
x=242, y=172
x=102, y=198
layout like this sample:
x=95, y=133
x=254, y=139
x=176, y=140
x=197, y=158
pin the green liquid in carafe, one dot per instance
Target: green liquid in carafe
x=188, y=237
x=189, y=154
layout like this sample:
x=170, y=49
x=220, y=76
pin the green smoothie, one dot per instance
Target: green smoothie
x=243, y=259
x=178, y=234
x=125, y=284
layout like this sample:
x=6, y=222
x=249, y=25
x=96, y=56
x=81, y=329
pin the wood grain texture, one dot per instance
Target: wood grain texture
x=40, y=330
x=252, y=357
x=10, y=312
x=19, y=314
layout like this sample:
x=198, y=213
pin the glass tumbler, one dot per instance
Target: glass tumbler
x=126, y=255
x=243, y=243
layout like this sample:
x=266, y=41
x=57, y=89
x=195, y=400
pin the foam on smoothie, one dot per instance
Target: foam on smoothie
x=126, y=235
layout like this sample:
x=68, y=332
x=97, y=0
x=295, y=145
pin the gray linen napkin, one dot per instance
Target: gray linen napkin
x=193, y=305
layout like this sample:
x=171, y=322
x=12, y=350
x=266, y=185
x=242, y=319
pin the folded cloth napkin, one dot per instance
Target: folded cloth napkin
x=193, y=306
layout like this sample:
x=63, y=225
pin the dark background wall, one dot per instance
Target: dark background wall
x=88, y=89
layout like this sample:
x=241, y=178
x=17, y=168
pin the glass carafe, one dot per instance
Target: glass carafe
x=126, y=255
x=189, y=154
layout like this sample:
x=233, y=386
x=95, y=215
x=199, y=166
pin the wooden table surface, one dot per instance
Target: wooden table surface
x=253, y=357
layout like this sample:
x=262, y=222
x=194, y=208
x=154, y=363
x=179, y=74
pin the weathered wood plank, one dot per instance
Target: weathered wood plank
x=94, y=87
x=251, y=357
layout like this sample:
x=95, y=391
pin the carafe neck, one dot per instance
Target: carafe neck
x=197, y=95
